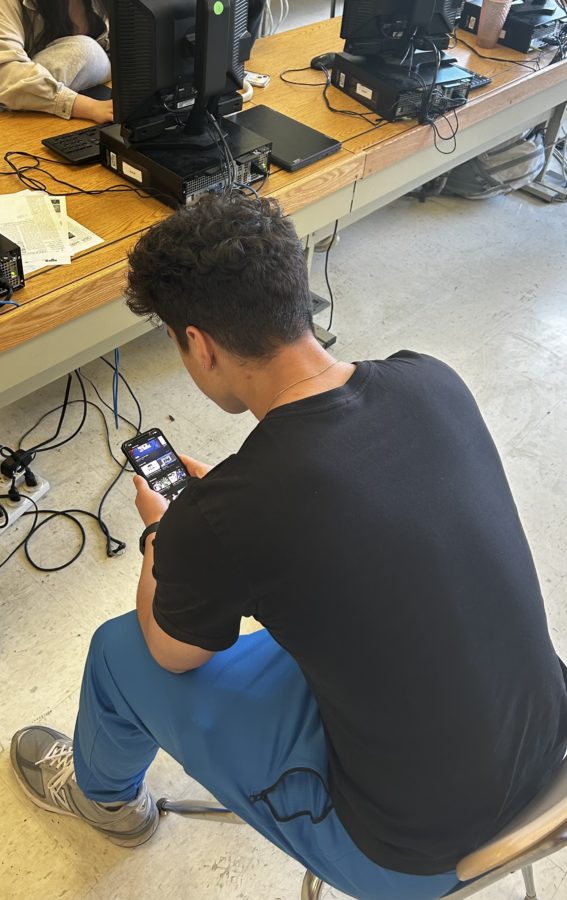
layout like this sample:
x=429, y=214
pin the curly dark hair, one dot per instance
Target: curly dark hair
x=230, y=265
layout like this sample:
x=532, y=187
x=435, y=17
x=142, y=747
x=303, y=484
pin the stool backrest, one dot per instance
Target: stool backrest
x=546, y=814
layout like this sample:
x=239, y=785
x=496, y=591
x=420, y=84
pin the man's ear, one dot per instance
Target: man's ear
x=201, y=347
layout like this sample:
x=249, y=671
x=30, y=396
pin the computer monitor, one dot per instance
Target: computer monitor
x=445, y=17
x=171, y=56
x=390, y=27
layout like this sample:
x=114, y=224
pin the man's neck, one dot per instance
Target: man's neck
x=296, y=371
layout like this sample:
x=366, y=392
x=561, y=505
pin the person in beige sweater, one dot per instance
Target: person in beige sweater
x=49, y=51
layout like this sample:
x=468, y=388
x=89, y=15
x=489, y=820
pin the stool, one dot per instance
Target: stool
x=539, y=831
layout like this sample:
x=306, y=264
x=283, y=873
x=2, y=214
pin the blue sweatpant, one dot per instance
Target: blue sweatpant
x=246, y=726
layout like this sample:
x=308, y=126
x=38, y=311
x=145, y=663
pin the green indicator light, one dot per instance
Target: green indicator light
x=218, y=8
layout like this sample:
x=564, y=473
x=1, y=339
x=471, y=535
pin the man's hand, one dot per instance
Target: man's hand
x=99, y=111
x=152, y=505
x=149, y=504
x=194, y=467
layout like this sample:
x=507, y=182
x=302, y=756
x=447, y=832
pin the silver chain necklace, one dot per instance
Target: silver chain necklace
x=295, y=383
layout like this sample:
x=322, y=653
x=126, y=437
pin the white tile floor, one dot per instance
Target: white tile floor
x=481, y=285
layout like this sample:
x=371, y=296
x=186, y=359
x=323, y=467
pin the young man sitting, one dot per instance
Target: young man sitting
x=404, y=701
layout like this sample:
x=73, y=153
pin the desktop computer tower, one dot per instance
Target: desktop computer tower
x=11, y=269
x=526, y=27
x=394, y=92
x=177, y=173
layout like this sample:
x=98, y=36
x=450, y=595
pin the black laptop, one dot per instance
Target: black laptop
x=293, y=145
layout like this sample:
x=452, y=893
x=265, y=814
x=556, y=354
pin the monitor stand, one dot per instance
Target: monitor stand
x=148, y=132
x=419, y=58
x=180, y=139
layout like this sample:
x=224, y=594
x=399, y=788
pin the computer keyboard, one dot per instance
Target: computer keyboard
x=81, y=146
x=478, y=80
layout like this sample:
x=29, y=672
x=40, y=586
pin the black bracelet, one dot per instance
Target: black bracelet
x=149, y=529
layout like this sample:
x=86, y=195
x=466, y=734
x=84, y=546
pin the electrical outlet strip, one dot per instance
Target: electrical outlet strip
x=15, y=510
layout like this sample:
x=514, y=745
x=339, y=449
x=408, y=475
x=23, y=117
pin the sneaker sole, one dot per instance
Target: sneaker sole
x=121, y=841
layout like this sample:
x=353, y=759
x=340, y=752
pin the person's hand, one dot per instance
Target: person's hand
x=149, y=504
x=99, y=111
x=194, y=467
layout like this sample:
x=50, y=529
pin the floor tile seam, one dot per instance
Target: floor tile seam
x=95, y=894
x=507, y=365
x=515, y=442
x=8, y=781
x=548, y=462
x=556, y=362
x=561, y=885
x=43, y=820
x=40, y=720
x=479, y=340
x=522, y=380
x=557, y=586
x=531, y=318
x=561, y=401
x=59, y=703
x=52, y=594
x=561, y=865
x=115, y=590
x=549, y=587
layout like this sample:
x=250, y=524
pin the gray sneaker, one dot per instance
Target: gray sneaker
x=42, y=760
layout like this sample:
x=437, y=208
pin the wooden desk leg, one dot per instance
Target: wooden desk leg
x=549, y=186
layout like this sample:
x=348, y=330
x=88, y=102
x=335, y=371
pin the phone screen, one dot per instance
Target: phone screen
x=155, y=459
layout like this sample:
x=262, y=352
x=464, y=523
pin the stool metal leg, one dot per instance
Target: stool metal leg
x=198, y=809
x=312, y=887
x=528, y=873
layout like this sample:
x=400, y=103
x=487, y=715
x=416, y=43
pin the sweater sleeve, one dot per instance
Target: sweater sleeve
x=23, y=83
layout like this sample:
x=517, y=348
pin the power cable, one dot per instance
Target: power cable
x=515, y=62
x=34, y=184
x=327, y=252
x=379, y=123
x=114, y=546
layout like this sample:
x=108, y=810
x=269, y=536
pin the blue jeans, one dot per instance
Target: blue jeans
x=246, y=726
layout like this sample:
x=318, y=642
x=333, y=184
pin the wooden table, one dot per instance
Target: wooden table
x=71, y=314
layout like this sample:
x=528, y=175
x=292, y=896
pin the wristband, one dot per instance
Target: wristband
x=149, y=529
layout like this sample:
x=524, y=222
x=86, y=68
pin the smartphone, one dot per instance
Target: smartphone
x=153, y=457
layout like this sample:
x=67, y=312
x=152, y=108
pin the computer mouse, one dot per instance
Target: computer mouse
x=323, y=61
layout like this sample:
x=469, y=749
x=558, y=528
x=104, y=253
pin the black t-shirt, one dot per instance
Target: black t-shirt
x=372, y=531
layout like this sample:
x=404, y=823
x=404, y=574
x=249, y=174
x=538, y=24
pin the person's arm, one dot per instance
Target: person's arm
x=99, y=111
x=171, y=654
x=25, y=84
x=175, y=656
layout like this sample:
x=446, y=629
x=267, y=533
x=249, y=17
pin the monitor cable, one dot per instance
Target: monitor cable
x=378, y=123
x=22, y=171
x=515, y=62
